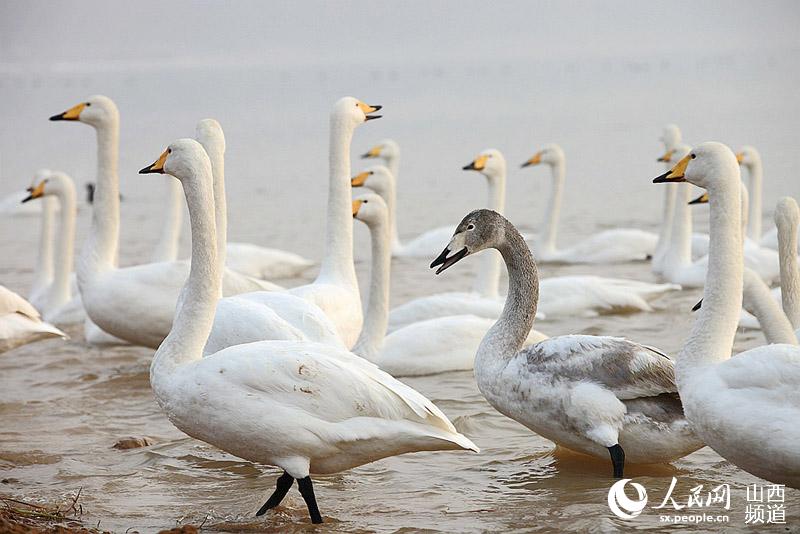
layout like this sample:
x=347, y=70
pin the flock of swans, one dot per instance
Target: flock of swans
x=304, y=380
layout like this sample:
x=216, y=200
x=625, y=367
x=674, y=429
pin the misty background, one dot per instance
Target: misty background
x=600, y=78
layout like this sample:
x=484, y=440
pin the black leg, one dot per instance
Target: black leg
x=617, y=459
x=281, y=488
x=307, y=491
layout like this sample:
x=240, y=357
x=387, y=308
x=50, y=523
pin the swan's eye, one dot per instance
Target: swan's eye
x=88, y=103
x=471, y=227
x=366, y=201
x=694, y=156
x=371, y=173
x=169, y=151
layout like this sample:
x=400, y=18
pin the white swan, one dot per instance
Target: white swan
x=45, y=267
x=596, y=395
x=304, y=407
x=60, y=301
x=20, y=323
x=335, y=289
x=259, y=315
x=437, y=345
x=787, y=219
x=381, y=180
x=609, y=246
x=562, y=295
x=670, y=137
x=746, y=408
x=750, y=158
x=246, y=258
x=137, y=303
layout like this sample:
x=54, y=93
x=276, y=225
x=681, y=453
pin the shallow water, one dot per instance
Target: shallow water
x=63, y=405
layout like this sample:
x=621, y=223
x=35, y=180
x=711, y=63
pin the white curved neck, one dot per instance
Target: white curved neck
x=44, y=264
x=758, y=300
x=487, y=280
x=550, y=224
x=389, y=195
x=713, y=330
x=194, y=314
x=393, y=164
x=61, y=292
x=754, y=217
x=99, y=253
x=376, y=318
x=337, y=263
x=170, y=238
x=790, y=276
x=679, y=253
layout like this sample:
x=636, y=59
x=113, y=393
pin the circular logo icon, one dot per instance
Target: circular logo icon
x=621, y=505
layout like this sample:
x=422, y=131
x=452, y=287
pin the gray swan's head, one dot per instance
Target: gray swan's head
x=479, y=230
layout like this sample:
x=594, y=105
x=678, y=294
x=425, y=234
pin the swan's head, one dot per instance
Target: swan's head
x=184, y=159
x=551, y=154
x=208, y=133
x=378, y=178
x=38, y=185
x=671, y=136
x=388, y=149
x=370, y=209
x=787, y=214
x=675, y=154
x=748, y=156
x=490, y=163
x=479, y=230
x=97, y=110
x=354, y=111
x=707, y=165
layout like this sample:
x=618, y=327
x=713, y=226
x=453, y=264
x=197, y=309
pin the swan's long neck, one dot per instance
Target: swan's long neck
x=44, y=265
x=194, y=314
x=790, y=276
x=100, y=251
x=712, y=333
x=758, y=300
x=679, y=253
x=487, y=281
x=61, y=291
x=217, y=157
x=393, y=164
x=337, y=264
x=754, y=218
x=389, y=195
x=554, y=207
x=376, y=319
x=507, y=335
x=169, y=241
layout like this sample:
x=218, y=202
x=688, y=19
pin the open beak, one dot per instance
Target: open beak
x=367, y=109
x=359, y=179
x=448, y=261
x=72, y=114
x=534, y=160
x=34, y=192
x=702, y=199
x=157, y=166
x=676, y=174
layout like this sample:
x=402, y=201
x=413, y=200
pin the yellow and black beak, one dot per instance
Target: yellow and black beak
x=359, y=179
x=367, y=109
x=34, y=192
x=478, y=164
x=739, y=157
x=158, y=165
x=702, y=199
x=534, y=160
x=676, y=174
x=356, y=206
x=666, y=157
x=374, y=152
x=72, y=114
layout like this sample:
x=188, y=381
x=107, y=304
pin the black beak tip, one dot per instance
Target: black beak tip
x=26, y=199
x=145, y=170
x=524, y=165
x=698, y=305
x=469, y=167
x=373, y=117
x=59, y=117
x=377, y=107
